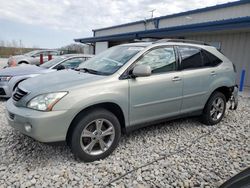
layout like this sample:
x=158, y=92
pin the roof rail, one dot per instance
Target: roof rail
x=182, y=40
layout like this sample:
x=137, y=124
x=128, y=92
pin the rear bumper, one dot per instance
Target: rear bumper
x=234, y=98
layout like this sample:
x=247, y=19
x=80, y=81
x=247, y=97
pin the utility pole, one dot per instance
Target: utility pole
x=152, y=13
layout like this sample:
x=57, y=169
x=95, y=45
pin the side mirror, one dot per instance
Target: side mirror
x=60, y=67
x=141, y=71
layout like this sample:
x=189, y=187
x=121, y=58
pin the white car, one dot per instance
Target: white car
x=10, y=77
x=32, y=57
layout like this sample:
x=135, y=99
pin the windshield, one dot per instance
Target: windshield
x=109, y=61
x=52, y=62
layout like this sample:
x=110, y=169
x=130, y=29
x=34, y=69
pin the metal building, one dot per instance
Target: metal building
x=226, y=26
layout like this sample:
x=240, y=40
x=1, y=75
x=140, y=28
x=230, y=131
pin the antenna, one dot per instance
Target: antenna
x=152, y=13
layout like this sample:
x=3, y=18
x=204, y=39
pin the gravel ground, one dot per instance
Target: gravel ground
x=222, y=152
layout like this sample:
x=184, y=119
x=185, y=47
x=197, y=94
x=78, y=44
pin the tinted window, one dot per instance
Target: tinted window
x=36, y=54
x=190, y=57
x=45, y=53
x=72, y=63
x=54, y=53
x=52, y=62
x=210, y=60
x=160, y=60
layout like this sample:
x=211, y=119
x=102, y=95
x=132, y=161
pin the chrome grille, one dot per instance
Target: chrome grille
x=2, y=92
x=18, y=94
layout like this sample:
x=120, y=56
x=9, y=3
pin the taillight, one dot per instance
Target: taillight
x=235, y=70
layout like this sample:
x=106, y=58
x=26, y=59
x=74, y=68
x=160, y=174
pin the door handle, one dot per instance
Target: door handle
x=213, y=73
x=176, y=78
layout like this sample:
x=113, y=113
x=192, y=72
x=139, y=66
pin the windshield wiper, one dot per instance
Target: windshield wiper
x=91, y=71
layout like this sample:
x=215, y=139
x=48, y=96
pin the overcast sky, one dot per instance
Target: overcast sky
x=54, y=23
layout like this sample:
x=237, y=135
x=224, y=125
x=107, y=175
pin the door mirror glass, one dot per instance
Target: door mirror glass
x=141, y=71
x=60, y=67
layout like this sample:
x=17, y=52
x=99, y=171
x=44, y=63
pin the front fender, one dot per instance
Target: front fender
x=17, y=79
x=79, y=100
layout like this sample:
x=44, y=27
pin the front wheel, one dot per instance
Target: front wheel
x=215, y=108
x=95, y=135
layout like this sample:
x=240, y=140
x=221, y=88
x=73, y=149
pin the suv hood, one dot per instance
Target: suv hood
x=57, y=81
x=23, y=70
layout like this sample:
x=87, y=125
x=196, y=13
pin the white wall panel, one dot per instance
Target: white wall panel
x=100, y=46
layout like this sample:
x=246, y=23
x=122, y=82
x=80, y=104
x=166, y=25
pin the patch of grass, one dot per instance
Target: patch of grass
x=6, y=52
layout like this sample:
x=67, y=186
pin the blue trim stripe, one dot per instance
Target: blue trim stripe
x=216, y=7
x=236, y=23
x=242, y=79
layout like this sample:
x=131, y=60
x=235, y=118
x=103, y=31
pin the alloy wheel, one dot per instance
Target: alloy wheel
x=97, y=136
x=217, y=109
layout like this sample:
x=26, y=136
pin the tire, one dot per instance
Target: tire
x=95, y=144
x=214, y=109
x=23, y=62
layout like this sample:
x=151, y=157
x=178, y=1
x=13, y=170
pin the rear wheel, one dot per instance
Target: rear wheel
x=95, y=135
x=215, y=108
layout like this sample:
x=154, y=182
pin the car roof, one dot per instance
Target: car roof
x=76, y=55
x=140, y=44
x=179, y=43
x=44, y=50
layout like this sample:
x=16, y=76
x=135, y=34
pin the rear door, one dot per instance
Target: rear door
x=157, y=96
x=196, y=79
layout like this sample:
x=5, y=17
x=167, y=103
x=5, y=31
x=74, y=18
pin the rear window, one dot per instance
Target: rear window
x=190, y=57
x=210, y=60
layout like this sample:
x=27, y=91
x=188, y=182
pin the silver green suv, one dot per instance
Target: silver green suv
x=124, y=88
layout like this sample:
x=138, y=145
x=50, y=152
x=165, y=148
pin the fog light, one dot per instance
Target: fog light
x=28, y=128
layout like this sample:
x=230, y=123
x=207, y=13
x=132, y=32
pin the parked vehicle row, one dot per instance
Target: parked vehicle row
x=123, y=88
x=32, y=57
x=11, y=77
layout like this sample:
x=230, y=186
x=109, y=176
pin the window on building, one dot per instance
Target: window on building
x=160, y=60
x=210, y=60
x=190, y=57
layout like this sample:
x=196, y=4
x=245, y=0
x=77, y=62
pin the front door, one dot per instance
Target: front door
x=157, y=96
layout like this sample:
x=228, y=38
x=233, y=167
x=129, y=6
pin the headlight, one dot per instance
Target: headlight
x=45, y=102
x=5, y=78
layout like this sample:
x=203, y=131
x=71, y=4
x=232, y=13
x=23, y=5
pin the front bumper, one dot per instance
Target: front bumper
x=45, y=126
x=5, y=90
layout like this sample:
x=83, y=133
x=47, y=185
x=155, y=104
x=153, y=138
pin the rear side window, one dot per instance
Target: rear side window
x=210, y=60
x=190, y=57
x=54, y=53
